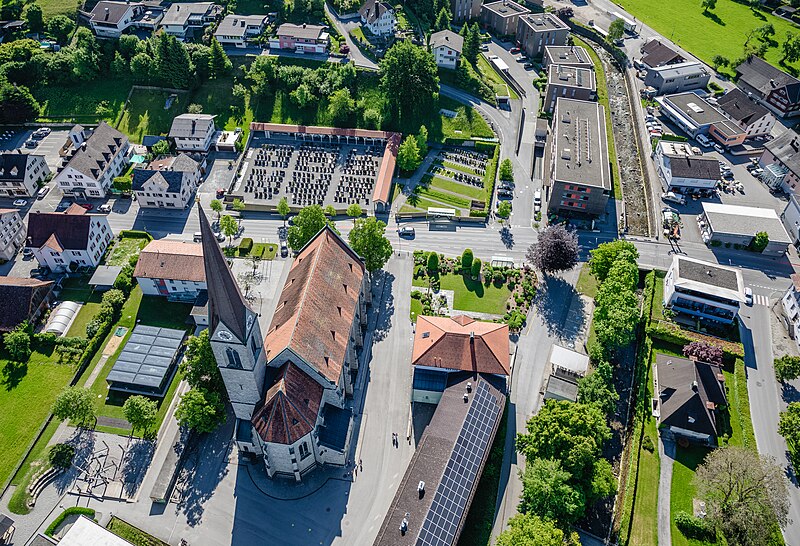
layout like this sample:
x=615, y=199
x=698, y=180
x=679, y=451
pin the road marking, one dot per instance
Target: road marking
x=760, y=299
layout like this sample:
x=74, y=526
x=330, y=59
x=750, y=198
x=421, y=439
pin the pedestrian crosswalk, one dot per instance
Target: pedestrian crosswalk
x=760, y=299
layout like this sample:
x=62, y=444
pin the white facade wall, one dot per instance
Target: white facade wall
x=99, y=236
x=761, y=126
x=383, y=25
x=154, y=194
x=36, y=170
x=12, y=235
x=195, y=144
x=169, y=287
x=445, y=57
x=71, y=181
x=791, y=312
x=791, y=219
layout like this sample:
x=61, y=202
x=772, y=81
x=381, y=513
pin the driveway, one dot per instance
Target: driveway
x=344, y=28
x=666, y=451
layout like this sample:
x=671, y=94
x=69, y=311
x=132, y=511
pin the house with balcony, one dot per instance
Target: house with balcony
x=238, y=30
x=568, y=82
x=753, y=118
x=703, y=290
x=770, y=86
x=303, y=38
x=502, y=17
x=446, y=47
x=12, y=234
x=192, y=132
x=168, y=182
x=781, y=163
x=791, y=309
x=21, y=173
x=677, y=78
x=183, y=18
x=465, y=10
x=378, y=17
x=682, y=170
x=110, y=19
x=69, y=239
x=172, y=269
x=93, y=159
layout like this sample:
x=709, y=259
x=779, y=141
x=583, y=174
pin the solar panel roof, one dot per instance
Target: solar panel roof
x=146, y=358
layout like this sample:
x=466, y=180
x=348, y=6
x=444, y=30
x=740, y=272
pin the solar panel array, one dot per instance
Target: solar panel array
x=147, y=357
x=461, y=473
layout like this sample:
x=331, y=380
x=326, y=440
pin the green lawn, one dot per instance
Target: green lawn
x=86, y=313
x=58, y=7
x=450, y=199
x=472, y=192
x=472, y=295
x=682, y=490
x=124, y=249
x=132, y=534
x=468, y=121
x=587, y=283
x=145, y=114
x=722, y=31
x=416, y=309
x=602, y=98
x=425, y=204
x=491, y=77
x=457, y=167
x=150, y=311
x=80, y=101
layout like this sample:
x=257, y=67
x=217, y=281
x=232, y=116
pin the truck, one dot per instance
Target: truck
x=630, y=26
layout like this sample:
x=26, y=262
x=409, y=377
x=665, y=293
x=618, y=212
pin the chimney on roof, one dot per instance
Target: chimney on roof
x=304, y=25
x=466, y=398
x=772, y=82
x=469, y=386
x=694, y=386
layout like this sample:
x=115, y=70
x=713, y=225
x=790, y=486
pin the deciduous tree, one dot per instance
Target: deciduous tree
x=787, y=368
x=790, y=48
x=162, y=148
x=229, y=227
x=556, y=250
x=504, y=210
x=33, y=15
x=617, y=28
x=704, y=352
x=307, y=224
x=548, y=493
x=140, y=412
x=354, y=210
x=598, y=388
x=708, y=5
x=506, y=170
x=603, y=257
x=283, y=209
x=531, y=530
x=216, y=206
x=789, y=428
x=122, y=183
x=410, y=81
x=18, y=344
x=17, y=104
x=200, y=410
x=199, y=368
x=368, y=240
x=60, y=27
x=341, y=105
x=408, y=157
x=75, y=404
x=466, y=259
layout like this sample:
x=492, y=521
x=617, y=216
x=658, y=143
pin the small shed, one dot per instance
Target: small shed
x=566, y=362
x=104, y=277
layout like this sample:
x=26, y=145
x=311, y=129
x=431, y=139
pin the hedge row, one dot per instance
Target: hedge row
x=679, y=336
x=134, y=234
x=72, y=510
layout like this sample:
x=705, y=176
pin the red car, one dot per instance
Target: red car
x=220, y=193
x=514, y=50
x=87, y=206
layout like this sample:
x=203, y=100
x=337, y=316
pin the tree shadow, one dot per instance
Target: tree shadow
x=386, y=308
x=789, y=393
x=134, y=465
x=13, y=373
x=507, y=237
x=714, y=17
x=553, y=301
x=758, y=15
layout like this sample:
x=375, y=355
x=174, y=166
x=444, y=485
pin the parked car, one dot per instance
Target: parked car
x=703, y=140
x=284, y=249
x=514, y=50
x=220, y=193
x=42, y=192
x=30, y=143
x=41, y=132
x=501, y=192
x=197, y=237
x=674, y=197
x=20, y=202
x=758, y=171
x=719, y=148
x=87, y=206
x=528, y=65
x=696, y=150
x=748, y=295
x=104, y=208
x=27, y=252
x=406, y=231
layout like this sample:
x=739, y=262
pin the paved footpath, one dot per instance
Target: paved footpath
x=666, y=450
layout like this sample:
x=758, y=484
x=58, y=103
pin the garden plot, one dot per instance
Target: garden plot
x=454, y=180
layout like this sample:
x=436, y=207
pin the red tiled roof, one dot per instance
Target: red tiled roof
x=461, y=343
x=383, y=183
x=318, y=303
x=290, y=407
x=174, y=260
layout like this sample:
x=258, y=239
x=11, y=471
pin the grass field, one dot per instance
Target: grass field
x=491, y=77
x=587, y=283
x=58, y=7
x=721, y=31
x=682, y=490
x=132, y=534
x=472, y=295
x=145, y=114
x=416, y=309
x=80, y=101
x=473, y=192
x=468, y=122
x=124, y=249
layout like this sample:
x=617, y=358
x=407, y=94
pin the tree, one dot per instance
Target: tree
x=330, y=211
x=33, y=15
x=506, y=170
x=172, y=65
x=718, y=60
x=11, y=9
x=141, y=67
x=341, y=105
x=368, y=240
x=200, y=410
x=475, y=268
x=18, y=344
x=354, y=211
x=466, y=259
x=708, y=4
x=760, y=241
x=307, y=224
x=787, y=368
x=119, y=66
x=410, y=81
x=744, y=493
x=60, y=27
x=17, y=105
x=140, y=412
x=791, y=48
x=161, y=148
x=283, y=209
x=504, y=210
x=789, y=428
x=603, y=257
x=372, y=118
x=218, y=63
x=408, y=157
x=548, y=493
x=302, y=95
x=75, y=404
x=556, y=250
x=616, y=30
x=123, y=183
x=195, y=108
x=199, y=368
x=531, y=530
x=433, y=262
x=704, y=352
x=422, y=140
x=572, y=433
x=238, y=206
x=765, y=31
x=443, y=19
x=598, y=388
x=216, y=206
x=472, y=40
x=61, y=456
x=229, y=227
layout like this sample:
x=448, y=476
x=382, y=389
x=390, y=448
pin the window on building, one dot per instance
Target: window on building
x=304, y=451
x=234, y=360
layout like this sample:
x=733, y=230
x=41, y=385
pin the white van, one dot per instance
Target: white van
x=674, y=197
x=703, y=140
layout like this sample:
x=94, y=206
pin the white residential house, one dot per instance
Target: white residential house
x=237, y=30
x=378, y=17
x=111, y=19
x=680, y=169
x=192, y=132
x=703, y=290
x=181, y=18
x=70, y=238
x=94, y=162
x=168, y=182
x=171, y=268
x=12, y=236
x=446, y=47
x=21, y=173
x=791, y=308
x=755, y=119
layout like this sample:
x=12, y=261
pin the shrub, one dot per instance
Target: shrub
x=647, y=444
x=693, y=527
x=134, y=234
x=466, y=259
x=704, y=352
x=246, y=245
x=76, y=510
x=498, y=276
x=61, y=456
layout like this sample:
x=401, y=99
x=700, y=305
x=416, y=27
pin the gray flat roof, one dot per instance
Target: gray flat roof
x=680, y=69
x=146, y=359
x=506, y=8
x=739, y=220
x=572, y=55
x=544, y=22
x=571, y=76
x=693, y=107
x=105, y=275
x=561, y=389
x=580, y=145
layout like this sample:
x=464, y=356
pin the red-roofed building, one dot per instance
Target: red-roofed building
x=447, y=348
